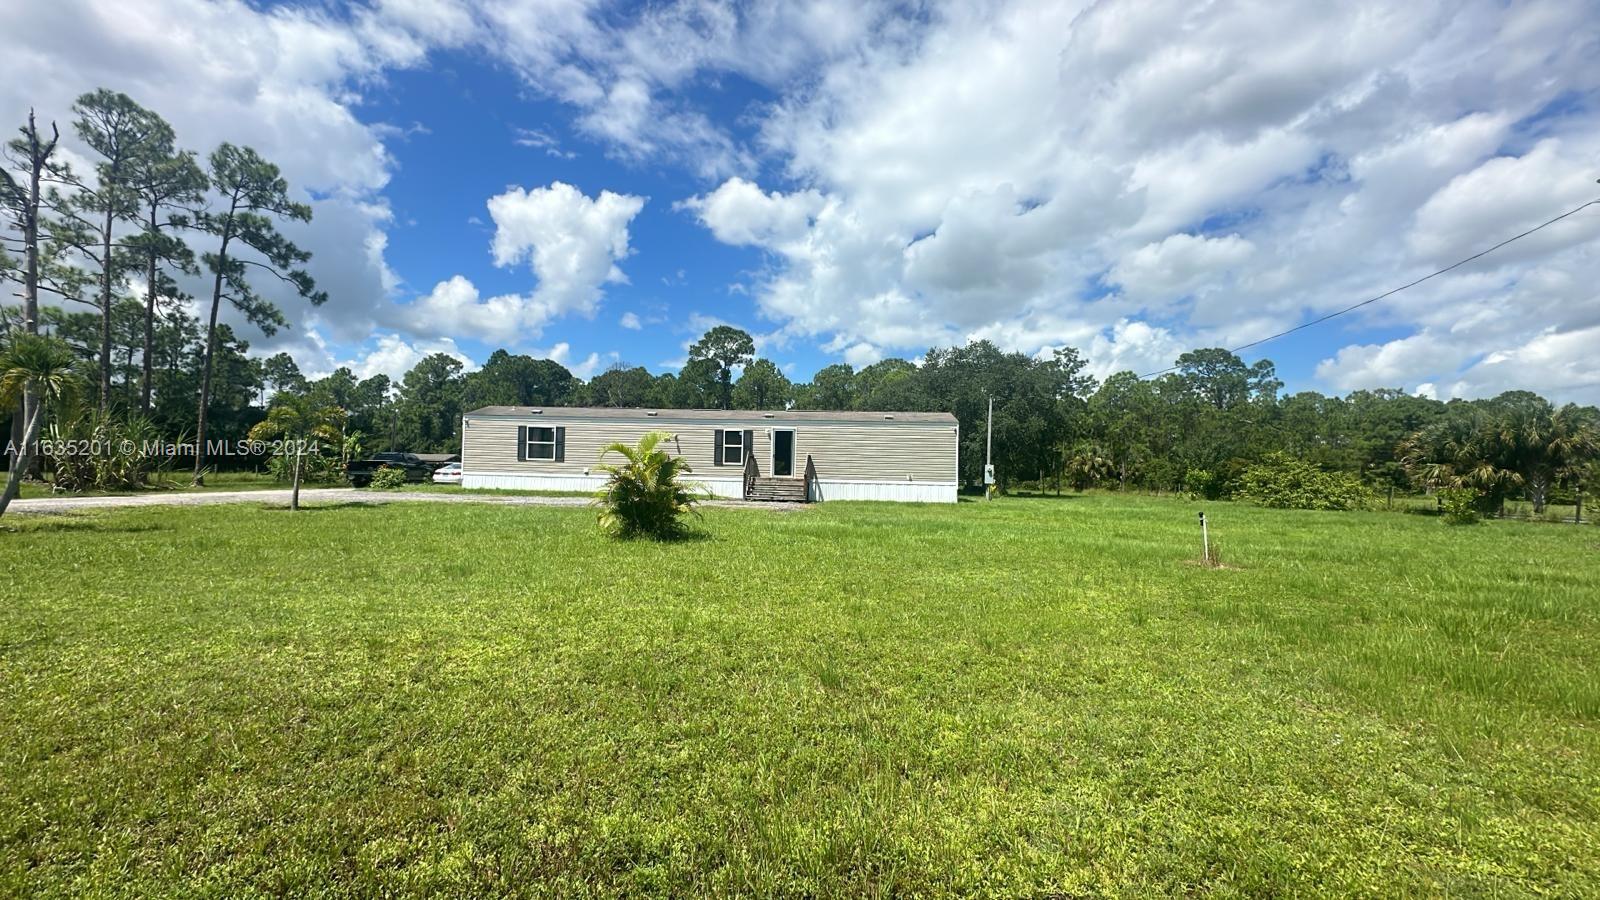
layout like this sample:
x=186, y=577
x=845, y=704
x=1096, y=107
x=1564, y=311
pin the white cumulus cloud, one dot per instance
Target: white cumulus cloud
x=454, y=306
x=572, y=242
x=587, y=367
x=392, y=355
x=738, y=212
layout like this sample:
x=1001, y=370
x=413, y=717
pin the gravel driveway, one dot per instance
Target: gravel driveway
x=49, y=505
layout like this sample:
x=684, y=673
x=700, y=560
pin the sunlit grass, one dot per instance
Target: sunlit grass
x=1021, y=697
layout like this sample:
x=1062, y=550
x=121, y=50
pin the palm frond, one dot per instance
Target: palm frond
x=42, y=365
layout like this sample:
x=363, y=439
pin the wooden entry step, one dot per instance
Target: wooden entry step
x=777, y=490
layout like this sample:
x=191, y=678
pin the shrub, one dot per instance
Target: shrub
x=388, y=477
x=101, y=452
x=315, y=468
x=1283, y=482
x=644, y=495
x=1205, y=484
x=1459, y=506
x=1163, y=475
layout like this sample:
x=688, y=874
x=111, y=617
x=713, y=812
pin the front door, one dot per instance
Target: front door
x=783, y=453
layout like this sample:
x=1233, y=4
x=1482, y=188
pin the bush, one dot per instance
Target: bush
x=388, y=477
x=644, y=496
x=1205, y=484
x=1459, y=506
x=101, y=452
x=1283, y=482
x=315, y=468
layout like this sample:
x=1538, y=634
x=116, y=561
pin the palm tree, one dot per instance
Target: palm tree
x=1465, y=452
x=297, y=420
x=1546, y=444
x=1087, y=464
x=40, y=370
x=643, y=496
x=1524, y=443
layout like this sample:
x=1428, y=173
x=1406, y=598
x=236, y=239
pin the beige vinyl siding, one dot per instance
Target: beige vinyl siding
x=490, y=445
x=888, y=452
x=840, y=451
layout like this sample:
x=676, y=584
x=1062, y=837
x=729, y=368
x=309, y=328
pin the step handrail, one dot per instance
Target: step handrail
x=751, y=472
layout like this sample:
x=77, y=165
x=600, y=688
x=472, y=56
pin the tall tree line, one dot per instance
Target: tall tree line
x=120, y=240
x=1195, y=429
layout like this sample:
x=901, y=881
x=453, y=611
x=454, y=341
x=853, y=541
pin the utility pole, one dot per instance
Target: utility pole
x=988, y=453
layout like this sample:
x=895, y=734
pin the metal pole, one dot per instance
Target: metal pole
x=988, y=449
x=1205, y=541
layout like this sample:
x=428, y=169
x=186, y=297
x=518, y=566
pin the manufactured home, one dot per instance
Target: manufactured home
x=779, y=455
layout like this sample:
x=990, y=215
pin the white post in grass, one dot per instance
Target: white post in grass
x=1205, y=541
x=294, y=494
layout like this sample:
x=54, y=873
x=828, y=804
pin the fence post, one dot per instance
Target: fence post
x=294, y=494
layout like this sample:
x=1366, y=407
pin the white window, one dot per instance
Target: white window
x=541, y=443
x=732, y=448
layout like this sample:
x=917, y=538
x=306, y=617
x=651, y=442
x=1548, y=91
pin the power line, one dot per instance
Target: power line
x=1456, y=265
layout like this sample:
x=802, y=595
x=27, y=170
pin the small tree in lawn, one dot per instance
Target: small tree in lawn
x=296, y=420
x=644, y=495
x=39, y=369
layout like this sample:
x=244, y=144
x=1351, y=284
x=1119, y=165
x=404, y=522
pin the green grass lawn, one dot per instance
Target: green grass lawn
x=1026, y=697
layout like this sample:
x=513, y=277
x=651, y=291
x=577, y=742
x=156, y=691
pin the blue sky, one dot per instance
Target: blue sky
x=600, y=181
x=476, y=112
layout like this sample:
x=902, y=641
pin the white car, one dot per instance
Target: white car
x=450, y=474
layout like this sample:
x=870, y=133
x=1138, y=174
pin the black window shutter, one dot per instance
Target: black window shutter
x=717, y=450
x=522, y=443
x=561, y=444
x=749, y=443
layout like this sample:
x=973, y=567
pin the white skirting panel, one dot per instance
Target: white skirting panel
x=506, y=482
x=900, y=491
x=522, y=481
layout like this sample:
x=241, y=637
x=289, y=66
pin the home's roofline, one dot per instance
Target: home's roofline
x=710, y=416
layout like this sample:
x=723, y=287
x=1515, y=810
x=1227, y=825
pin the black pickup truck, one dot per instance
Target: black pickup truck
x=416, y=468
